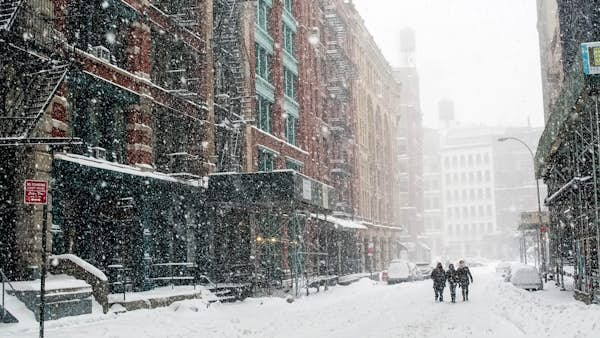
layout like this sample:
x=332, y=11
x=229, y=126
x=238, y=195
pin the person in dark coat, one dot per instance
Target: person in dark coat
x=439, y=282
x=452, y=278
x=464, y=277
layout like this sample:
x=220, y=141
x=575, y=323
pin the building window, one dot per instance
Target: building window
x=294, y=165
x=490, y=227
x=489, y=210
x=266, y=160
x=288, y=39
x=291, y=125
x=487, y=176
x=262, y=14
x=290, y=82
x=263, y=63
x=287, y=4
x=264, y=114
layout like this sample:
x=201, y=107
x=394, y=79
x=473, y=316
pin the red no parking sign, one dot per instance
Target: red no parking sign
x=35, y=192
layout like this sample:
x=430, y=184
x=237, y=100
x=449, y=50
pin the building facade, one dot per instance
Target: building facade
x=566, y=157
x=220, y=156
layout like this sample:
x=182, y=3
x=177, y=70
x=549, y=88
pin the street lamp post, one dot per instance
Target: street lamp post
x=541, y=252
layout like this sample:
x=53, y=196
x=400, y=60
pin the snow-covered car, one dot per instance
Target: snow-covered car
x=526, y=277
x=424, y=269
x=399, y=271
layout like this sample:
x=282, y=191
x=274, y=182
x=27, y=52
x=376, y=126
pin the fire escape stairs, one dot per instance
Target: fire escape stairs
x=8, y=13
x=20, y=119
x=228, y=42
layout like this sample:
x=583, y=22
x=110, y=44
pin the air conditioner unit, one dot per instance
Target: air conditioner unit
x=100, y=52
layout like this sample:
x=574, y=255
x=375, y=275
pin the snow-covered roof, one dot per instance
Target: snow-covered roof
x=374, y=225
x=341, y=222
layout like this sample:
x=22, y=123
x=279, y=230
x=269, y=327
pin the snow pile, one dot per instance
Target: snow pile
x=525, y=275
x=191, y=305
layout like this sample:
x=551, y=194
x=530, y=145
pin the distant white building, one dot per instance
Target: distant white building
x=468, y=197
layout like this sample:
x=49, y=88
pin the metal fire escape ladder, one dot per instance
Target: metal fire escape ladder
x=8, y=13
x=20, y=119
x=233, y=105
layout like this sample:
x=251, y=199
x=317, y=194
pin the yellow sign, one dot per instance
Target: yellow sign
x=595, y=56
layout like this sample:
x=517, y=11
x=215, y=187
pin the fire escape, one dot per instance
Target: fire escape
x=29, y=80
x=232, y=102
x=340, y=74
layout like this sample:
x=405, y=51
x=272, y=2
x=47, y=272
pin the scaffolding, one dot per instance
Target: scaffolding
x=569, y=162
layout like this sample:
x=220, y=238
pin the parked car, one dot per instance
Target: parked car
x=399, y=271
x=424, y=269
x=415, y=273
x=502, y=267
x=526, y=277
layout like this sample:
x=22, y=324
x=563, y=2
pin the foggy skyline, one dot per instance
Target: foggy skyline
x=483, y=55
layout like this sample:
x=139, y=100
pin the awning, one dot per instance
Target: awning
x=381, y=226
x=93, y=162
x=340, y=222
x=275, y=188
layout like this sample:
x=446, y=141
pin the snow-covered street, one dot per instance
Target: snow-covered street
x=365, y=309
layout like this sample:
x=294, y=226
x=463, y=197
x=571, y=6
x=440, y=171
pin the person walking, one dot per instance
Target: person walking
x=438, y=275
x=464, y=277
x=452, y=278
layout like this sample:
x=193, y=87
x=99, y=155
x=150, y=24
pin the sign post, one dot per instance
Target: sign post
x=370, y=251
x=36, y=192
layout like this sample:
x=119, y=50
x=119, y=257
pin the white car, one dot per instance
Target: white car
x=526, y=277
x=399, y=271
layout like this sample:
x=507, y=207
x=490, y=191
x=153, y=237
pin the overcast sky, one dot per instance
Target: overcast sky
x=483, y=54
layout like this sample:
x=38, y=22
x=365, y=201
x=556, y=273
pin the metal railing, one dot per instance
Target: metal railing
x=4, y=281
x=176, y=272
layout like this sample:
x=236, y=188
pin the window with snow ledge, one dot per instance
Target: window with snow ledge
x=98, y=115
x=101, y=28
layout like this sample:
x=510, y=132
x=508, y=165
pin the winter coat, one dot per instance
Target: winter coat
x=464, y=275
x=439, y=278
x=452, y=276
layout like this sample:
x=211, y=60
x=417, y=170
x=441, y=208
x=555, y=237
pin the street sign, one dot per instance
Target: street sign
x=35, y=192
x=590, y=53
